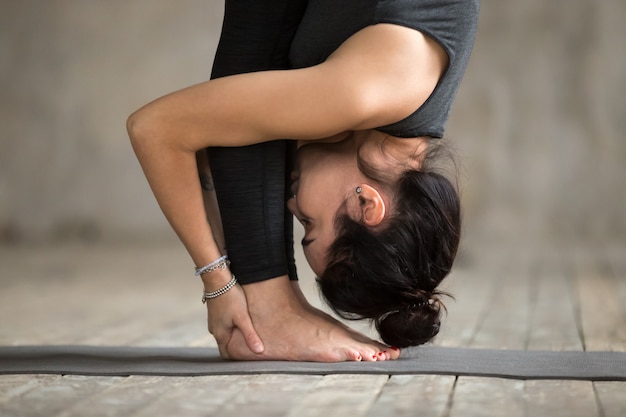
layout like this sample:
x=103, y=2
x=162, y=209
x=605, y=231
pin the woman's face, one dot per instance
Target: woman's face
x=325, y=178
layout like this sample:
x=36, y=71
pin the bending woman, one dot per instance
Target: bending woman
x=377, y=78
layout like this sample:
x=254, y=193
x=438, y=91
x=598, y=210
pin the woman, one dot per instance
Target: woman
x=376, y=80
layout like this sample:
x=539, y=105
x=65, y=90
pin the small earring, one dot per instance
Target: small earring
x=358, y=190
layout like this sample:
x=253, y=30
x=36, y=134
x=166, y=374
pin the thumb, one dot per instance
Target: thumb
x=250, y=335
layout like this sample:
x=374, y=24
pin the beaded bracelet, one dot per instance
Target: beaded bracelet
x=217, y=293
x=221, y=262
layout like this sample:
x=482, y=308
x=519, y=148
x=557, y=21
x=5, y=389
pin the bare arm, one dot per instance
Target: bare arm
x=210, y=199
x=378, y=76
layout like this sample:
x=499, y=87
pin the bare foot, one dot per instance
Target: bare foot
x=293, y=331
x=390, y=352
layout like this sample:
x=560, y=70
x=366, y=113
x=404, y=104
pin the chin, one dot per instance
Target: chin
x=318, y=267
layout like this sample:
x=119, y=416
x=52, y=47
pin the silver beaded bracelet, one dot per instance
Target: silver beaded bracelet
x=221, y=262
x=221, y=291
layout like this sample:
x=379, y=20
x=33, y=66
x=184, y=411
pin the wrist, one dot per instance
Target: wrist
x=216, y=279
x=209, y=295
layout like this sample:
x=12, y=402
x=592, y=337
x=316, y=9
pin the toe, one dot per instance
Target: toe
x=394, y=352
x=354, y=355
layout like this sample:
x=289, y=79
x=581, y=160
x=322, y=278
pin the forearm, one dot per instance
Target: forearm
x=210, y=199
x=173, y=176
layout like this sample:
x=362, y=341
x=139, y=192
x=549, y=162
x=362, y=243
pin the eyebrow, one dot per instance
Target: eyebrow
x=306, y=242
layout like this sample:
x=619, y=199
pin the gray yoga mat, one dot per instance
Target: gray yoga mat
x=183, y=361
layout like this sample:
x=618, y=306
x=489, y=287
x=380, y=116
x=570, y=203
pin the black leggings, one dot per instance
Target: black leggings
x=252, y=182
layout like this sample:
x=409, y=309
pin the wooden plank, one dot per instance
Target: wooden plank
x=121, y=398
x=12, y=386
x=410, y=395
x=466, y=312
x=560, y=399
x=340, y=395
x=553, y=324
x=486, y=397
x=271, y=395
x=602, y=321
x=229, y=395
x=474, y=285
x=50, y=399
x=90, y=298
x=611, y=398
x=612, y=395
x=554, y=327
x=506, y=325
x=615, y=258
x=189, y=397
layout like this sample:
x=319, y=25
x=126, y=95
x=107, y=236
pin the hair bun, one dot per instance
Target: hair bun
x=413, y=324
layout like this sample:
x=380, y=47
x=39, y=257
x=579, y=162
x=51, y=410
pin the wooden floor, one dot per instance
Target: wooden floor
x=535, y=296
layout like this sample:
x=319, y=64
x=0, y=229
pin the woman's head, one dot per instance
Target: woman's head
x=389, y=272
x=327, y=175
x=324, y=183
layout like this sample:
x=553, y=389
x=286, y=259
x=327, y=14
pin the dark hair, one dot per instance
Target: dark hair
x=390, y=275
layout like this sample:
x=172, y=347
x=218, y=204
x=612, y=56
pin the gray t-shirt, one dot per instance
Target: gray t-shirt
x=452, y=23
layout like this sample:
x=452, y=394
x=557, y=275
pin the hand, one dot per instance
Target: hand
x=227, y=313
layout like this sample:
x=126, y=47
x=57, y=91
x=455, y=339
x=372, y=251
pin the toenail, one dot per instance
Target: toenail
x=358, y=358
x=380, y=353
x=395, y=348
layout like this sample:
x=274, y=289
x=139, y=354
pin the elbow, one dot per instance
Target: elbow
x=152, y=130
x=147, y=133
x=138, y=128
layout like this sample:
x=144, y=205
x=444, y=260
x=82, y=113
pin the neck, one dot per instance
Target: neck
x=387, y=152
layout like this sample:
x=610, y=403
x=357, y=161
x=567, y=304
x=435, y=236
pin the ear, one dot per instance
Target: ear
x=371, y=205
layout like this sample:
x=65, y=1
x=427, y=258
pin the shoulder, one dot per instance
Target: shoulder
x=396, y=68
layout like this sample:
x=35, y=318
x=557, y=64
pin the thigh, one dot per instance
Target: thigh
x=256, y=35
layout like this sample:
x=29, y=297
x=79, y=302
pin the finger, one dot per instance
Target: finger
x=222, y=335
x=250, y=335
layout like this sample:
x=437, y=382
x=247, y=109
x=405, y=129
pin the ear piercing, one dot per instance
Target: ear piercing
x=358, y=190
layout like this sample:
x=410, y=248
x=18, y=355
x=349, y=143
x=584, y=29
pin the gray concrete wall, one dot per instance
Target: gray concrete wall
x=539, y=122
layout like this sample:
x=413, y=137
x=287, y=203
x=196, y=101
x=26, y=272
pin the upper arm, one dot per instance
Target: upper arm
x=379, y=76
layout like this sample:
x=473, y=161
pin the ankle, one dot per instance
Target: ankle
x=274, y=294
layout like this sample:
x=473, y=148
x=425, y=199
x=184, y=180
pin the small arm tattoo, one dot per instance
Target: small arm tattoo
x=206, y=182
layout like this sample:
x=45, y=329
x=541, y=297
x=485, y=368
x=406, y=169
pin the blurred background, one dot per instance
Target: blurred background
x=539, y=122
